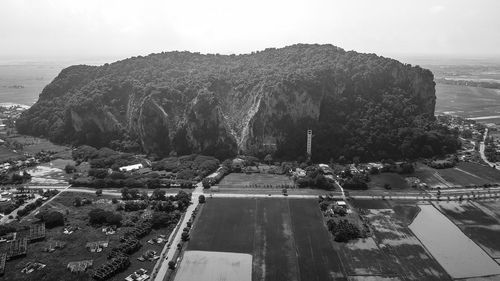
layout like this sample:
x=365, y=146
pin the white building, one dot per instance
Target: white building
x=131, y=168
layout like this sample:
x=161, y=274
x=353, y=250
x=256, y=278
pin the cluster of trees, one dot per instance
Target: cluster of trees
x=490, y=150
x=188, y=167
x=315, y=179
x=14, y=178
x=30, y=207
x=384, y=110
x=99, y=216
x=51, y=218
x=130, y=206
x=343, y=230
x=103, y=158
x=164, y=219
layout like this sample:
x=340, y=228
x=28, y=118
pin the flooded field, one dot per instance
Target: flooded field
x=459, y=255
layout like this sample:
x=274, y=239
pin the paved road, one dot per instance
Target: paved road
x=177, y=236
x=482, y=147
x=47, y=202
x=6, y=219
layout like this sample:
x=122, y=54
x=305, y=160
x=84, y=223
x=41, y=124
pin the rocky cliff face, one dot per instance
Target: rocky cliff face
x=262, y=102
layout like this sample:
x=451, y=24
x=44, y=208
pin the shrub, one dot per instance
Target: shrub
x=343, y=230
x=51, y=219
x=69, y=169
x=77, y=201
x=161, y=219
x=185, y=236
x=201, y=199
x=100, y=216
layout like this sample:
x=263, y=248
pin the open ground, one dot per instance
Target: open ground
x=286, y=238
x=75, y=250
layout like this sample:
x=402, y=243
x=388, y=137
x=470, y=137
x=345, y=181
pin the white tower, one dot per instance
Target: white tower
x=309, y=143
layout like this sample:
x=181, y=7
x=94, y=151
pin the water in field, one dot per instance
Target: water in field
x=456, y=253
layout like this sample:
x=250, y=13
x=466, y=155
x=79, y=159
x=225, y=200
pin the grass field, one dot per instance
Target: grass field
x=396, y=181
x=33, y=145
x=7, y=154
x=467, y=101
x=286, y=238
x=242, y=180
x=464, y=174
x=75, y=244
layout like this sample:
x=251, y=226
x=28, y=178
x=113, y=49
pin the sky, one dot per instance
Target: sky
x=69, y=29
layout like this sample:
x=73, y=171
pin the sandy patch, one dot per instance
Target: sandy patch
x=215, y=266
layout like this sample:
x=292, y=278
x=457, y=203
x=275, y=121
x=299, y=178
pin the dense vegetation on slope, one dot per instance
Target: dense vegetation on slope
x=358, y=105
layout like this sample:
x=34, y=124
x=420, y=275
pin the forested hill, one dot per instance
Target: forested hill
x=357, y=105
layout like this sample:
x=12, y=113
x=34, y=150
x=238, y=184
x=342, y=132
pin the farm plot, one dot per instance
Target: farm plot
x=487, y=173
x=464, y=174
x=430, y=176
x=257, y=180
x=466, y=101
x=392, y=252
x=7, y=154
x=393, y=180
x=458, y=254
x=401, y=249
x=215, y=266
x=284, y=236
x=317, y=259
x=479, y=221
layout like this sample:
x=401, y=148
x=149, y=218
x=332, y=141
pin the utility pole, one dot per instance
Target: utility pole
x=309, y=144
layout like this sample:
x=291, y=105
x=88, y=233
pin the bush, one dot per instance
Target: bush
x=185, y=236
x=161, y=219
x=114, y=200
x=98, y=192
x=201, y=199
x=100, y=216
x=343, y=230
x=77, y=201
x=5, y=229
x=131, y=206
x=69, y=169
x=51, y=219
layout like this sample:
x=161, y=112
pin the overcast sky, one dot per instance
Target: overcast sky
x=122, y=28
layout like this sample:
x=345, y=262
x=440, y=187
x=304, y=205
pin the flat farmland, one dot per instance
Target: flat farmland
x=394, y=180
x=215, y=266
x=6, y=153
x=402, y=250
x=463, y=174
x=487, y=173
x=255, y=180
x=466, y=101
x=286, y=237
x=392, y=252
x=456, y=252
x=479, y=221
